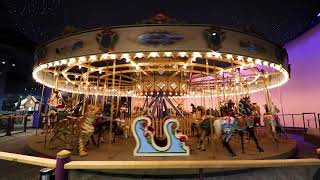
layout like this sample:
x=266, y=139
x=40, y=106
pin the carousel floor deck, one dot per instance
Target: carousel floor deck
x=122, y=150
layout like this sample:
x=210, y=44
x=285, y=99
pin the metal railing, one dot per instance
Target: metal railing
x=314, y=122
x=62, y=164
x=9, y=125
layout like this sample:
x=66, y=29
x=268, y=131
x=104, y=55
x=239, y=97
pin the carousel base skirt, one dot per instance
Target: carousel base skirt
x=122, y=150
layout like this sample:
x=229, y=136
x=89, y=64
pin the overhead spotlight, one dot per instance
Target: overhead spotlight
x=214, y=33
x=3, y=62
x=13, y=65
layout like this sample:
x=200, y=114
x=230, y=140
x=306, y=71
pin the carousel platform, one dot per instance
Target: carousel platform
x=122, y=150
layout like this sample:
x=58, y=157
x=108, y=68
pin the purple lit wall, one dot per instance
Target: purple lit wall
x=302, y=92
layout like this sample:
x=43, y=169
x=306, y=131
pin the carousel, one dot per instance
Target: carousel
x=132, y=93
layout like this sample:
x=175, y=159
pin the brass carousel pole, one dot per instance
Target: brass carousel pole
x=210, y=112
x=118, y=97
x=112, y=100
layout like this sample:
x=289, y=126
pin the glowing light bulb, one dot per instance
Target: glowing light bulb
x=240, y=58
x=56, y=63
x=182, y=54
x=229, y=56
x=93, y=58
x=82, y=59
x=258, y=61
x=209, y=54
x=153, y=54
x=168, y=54
x=64, y=61
x=113, y=56
x=139, y=55
x=104, y=56
x=217, y=55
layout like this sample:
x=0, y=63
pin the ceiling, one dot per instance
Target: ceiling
x=42, y=20
x=279, y=21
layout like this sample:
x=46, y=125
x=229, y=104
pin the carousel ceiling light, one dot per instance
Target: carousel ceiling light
x=209, y=54
x=217, y=55
x=64, y=61
x=92, y=57
x=196, y=55
x=258, y=61
x=139, y=55
x=113, y=56
x=182, y=54
x=153, y=55
x=265, y=63
x=229, y=56
x=277, y=67
x=43, y=66
x=56, y=63
x=240, y=58
x=104, y=56
x=249, y=59
x=79, y=67
x=72, y=61
x=272, y=65
x=82, y=59
x=168, y=54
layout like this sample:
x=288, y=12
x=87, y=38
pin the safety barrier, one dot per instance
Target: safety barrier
x=10, y=122
x=62, y=164
x=306, y=123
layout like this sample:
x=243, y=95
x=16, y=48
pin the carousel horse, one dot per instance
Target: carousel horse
x=246, y=116
x=272, y=122
x=226, y=126
x=148, y=145
x=55, y=103
x=223, y=128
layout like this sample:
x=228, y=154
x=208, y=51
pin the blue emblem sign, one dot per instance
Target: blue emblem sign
x=159, y=38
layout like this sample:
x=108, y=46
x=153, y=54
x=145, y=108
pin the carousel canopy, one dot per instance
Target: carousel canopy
x=161, y=56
